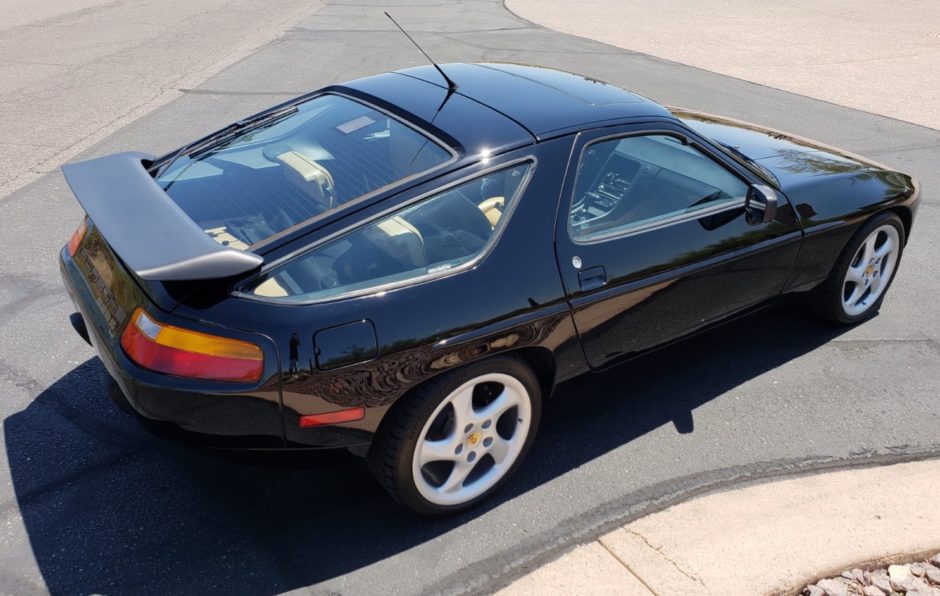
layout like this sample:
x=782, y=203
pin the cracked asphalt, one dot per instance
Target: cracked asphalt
x=91, y=502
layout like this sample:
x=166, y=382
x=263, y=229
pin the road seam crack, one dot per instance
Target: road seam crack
x=627, y=567
x=660, y=552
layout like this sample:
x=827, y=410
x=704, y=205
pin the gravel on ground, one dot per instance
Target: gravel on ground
x=920, y=578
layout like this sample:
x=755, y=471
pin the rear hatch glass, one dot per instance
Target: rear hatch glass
x=328, y=152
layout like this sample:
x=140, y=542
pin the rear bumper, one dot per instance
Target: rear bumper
x=249, y=419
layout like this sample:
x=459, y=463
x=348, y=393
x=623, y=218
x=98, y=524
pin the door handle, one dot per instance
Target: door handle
x=592, y=278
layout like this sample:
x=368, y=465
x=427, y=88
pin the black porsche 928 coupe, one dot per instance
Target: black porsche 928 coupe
x=406, y=267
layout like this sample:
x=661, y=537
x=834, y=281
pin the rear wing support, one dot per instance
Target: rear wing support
x=145, y=227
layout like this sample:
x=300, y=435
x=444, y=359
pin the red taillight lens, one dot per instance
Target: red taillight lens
x=350, y=415
x=184, y=353
x=77, y=236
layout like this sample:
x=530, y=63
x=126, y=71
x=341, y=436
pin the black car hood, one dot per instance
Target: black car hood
x=791, y=158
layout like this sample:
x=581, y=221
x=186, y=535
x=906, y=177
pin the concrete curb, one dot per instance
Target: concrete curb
x=810, y=47
x=771, y=538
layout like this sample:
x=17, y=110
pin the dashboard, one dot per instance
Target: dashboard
x=601, y=192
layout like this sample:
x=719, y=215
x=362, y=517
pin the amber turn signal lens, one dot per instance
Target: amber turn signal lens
x=77, y=236
x=185, y=353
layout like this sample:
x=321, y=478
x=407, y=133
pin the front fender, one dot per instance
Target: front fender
x=831, y=209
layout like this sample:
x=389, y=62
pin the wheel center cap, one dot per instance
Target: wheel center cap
x=473, y=439
x=869, y=270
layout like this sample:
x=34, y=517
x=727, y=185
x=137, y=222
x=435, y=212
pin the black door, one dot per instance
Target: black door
x=653, y=242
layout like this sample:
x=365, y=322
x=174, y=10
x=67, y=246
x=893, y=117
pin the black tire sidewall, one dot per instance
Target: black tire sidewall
x=406, y=489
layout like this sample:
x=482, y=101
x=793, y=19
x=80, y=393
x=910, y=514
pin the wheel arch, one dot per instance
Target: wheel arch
x=538, y=358
x=907, y=218
x=401, y=425
x=542, y=362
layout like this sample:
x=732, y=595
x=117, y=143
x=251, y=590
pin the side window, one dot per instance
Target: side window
x=437, y=234
x=623, y=183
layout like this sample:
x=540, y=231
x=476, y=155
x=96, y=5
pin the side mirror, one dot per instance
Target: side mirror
x=760, y=206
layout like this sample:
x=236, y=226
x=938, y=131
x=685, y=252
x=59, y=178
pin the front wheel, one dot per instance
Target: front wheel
x=455, y=440
x=861, y=277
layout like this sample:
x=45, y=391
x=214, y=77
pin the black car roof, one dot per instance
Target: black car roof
x=535, y=103
x=459, y=121
x=547, y=102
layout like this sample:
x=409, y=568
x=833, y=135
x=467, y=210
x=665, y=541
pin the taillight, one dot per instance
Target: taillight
x=77, y=236
x=184, y=353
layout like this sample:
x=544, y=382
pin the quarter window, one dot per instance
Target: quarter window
x=435, y=235
x=639, y=180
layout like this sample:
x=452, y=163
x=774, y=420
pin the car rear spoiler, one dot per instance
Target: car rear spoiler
x=145, y=227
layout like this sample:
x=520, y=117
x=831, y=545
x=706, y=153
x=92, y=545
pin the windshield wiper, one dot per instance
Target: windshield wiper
x=753, y=164
x=225, y=134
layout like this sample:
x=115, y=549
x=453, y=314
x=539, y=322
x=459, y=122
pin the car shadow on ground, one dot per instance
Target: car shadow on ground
x=110, y=508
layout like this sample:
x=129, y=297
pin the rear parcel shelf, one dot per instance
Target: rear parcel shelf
x=154, y=237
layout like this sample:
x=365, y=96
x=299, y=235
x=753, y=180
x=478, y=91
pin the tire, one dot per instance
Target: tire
x=455, y=440
x=862, y=275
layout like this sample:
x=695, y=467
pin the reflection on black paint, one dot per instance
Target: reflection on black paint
x=109, y=508
x=294, y=344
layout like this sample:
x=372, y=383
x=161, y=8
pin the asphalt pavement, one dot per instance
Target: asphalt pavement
x=74, y=71
x=94, y=503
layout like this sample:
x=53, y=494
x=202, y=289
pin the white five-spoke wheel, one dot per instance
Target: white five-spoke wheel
x=861, y=275
x=472, y=439
x=869, y=271
x=456, y=439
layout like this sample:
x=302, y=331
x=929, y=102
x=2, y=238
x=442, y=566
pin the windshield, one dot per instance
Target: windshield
x=252, y=185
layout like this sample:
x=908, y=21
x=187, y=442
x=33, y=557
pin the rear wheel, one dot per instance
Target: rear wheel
x=861, y=277
x=455, y=440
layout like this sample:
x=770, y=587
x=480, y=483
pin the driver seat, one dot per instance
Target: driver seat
x=492, y=208
x=312, y=179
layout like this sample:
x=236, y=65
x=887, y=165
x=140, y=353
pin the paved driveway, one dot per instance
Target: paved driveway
x=882, y=57
x=74, y=71
x=92, y=503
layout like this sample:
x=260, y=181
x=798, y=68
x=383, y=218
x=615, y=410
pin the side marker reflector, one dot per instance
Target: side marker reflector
x=350, y=415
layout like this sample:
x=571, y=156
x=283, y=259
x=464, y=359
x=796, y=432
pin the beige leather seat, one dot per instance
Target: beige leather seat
x=310, y=177
x=270, y=288
x=492, y=208
x=399, y=239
